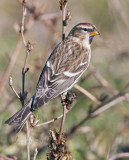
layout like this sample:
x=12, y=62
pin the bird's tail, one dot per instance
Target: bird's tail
x=19, y=118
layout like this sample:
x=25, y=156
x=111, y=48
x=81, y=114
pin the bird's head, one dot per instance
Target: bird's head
x=84, y=31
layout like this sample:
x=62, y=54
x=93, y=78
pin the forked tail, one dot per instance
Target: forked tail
x=19, y=118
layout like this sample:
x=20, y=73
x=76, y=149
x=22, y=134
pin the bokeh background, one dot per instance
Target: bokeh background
x=110, y=57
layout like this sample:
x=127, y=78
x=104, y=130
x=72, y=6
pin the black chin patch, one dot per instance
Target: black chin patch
x=90, y=39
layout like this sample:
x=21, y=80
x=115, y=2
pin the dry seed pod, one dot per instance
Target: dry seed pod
x=29, y=46
x=63, y=3
x=68, y=17
x=10, y=81
x=31, y=119
x=24, y=1
x=53, y=133
x=34, y=120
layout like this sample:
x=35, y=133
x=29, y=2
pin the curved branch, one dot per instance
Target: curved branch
x=120, y=155
x=88, y=94
x=53, y=120
x=113, y=101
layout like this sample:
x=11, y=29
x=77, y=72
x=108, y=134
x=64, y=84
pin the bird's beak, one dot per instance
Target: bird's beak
x=94, y=33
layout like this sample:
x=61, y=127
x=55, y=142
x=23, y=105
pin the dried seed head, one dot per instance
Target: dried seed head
x=63, y=3
x=24, y=2
x=68, y=17
x=29, y=46
x=69, y=157
x=34, y=120
x=54, y=136
x=57, y=151
x=31, y=118
x=10, y=81
x=68, y=100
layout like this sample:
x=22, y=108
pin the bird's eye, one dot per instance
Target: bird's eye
x=85, y=29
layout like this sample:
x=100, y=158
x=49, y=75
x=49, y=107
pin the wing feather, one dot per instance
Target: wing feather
x=61, y=71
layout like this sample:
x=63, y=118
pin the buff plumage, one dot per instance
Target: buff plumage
x=62, y=70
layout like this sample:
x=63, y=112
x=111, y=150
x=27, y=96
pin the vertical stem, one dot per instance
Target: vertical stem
x=23, y=81
x=28, y=140
x=27, y=125
x=63, y=97
x=35, y=153
x=23, y=85
x=62, y=123
x=63, y=22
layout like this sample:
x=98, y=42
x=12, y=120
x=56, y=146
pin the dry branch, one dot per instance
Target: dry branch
x=119, y=156
x=100, y=109
x=63, y=5
x=10, y=66
x=102, y=81
x=35, y=153
x=48, y=21
x=11, y=85
x=5, y=158
x=88, y=94
x=13, y=59
x=53, y=120
x=23, y=79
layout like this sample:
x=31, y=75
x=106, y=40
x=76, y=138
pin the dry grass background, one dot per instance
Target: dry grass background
x=110, y=57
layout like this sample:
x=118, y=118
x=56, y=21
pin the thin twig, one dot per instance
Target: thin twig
x=14, y=58
x=63, y=119
x=23, y=38
x=102, y=81
x=10, y=65
x=35, y=153
x=23, y=80
x=5, y=158
x=113, y=146
x=105, y=83
x=63, y=97
x=119, y=9
x=119, y=155
x=50, y=16
x=53, y=120
x=62, y=122
x=28, y=140
x=88, y=94
x=113, y=101
x=63, y=21
x=11, y=85
x=117, y=139
x=110, y=104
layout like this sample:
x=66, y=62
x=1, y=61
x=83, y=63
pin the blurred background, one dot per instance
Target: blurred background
x=110, y=58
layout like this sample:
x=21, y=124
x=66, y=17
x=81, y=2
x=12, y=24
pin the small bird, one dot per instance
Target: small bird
x=62, y=70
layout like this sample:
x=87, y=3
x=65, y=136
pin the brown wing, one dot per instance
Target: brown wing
x=63, y=68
